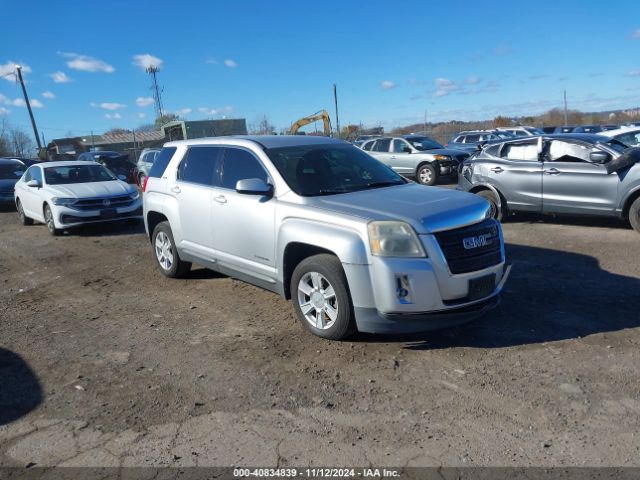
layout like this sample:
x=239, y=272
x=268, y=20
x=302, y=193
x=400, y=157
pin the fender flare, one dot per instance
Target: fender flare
x=487, y=186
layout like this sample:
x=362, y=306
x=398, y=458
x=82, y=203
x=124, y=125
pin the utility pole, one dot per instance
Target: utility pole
x=335, y=98
x=425, y=121
x=157, y=92
x=565, y=108
x=26, y=99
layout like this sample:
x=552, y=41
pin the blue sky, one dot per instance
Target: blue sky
x=390, y=60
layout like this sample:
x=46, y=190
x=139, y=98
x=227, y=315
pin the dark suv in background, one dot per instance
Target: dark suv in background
x=469, y=140
x=118, y=163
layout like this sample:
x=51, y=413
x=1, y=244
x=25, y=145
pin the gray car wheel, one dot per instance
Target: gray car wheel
x=165, y=252
x=426, y=174
x=634, y=215
x=24, y=220
x=49, y=222
x=321, y=298
x=497, y=208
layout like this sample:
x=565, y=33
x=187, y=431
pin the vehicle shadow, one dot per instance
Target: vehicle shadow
x=551, y=295
x=107, y=229
x=579, y=220
x=20, y=390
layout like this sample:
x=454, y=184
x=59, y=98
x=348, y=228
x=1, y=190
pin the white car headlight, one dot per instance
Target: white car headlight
x=394, y=239
x=65, y=202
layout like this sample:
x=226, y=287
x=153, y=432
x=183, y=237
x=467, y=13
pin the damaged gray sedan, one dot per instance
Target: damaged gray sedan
x=574, y=174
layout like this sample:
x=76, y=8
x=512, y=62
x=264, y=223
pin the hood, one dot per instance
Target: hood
x=427, y=209
x=91, y=189
x=451, y=152
x=8, y=184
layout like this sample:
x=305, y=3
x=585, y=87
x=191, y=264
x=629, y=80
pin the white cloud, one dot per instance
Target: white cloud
x=211, y=61
x=632, y=73
x=115, y=116
x=636, y=33
x=387, y=85
x=19, y=102
x=142, y=115
x=48, y=94
x=7, y=70
x=35, y=103
x=85, y=63
x=215, y=111
x=112, y=106
x=4, y=111
x=146, y=60
x=60, y=77
x=144, y=101
x=183, y=111
x=444, y=87
x=473, y=80
x=231, y=63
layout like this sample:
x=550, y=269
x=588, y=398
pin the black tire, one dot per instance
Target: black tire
x=177, y=267
x=329, y=267
x=141, y=178
x=634, y=214
x=498, y=208
x=24, y=220
x=48, y=221
x=426, y=174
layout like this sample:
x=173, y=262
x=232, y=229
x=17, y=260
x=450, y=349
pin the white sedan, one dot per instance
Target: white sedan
x=68, y=194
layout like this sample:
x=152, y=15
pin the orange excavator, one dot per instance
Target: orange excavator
x=320, y=115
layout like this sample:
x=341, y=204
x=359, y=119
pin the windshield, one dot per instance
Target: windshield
x=535, y=131
x=77, y=174
x=616, y=145
x=313, y=170
x=11, y=172
x=424, y=143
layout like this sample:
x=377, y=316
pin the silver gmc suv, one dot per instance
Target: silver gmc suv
x=319, y=221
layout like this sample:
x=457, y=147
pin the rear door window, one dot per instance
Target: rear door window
x=520, y=151
x=201, y=165
x=162, y=160
x=382, y=145
x=238, y=165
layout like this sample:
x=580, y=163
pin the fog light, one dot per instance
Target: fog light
x=403, y=289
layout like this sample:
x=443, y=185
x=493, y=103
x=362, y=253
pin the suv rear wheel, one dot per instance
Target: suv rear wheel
x=634, y=215
x=321, y=298
x=165, y=253
x=497, y=207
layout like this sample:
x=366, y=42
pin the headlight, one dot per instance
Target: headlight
x=442, y=157
x=394, y=239
x=65, y=202
x=134, y=195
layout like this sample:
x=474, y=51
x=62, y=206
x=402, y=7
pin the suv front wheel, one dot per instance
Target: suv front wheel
x=634, y=215
x=165, y=252
x=321, y=298
x=427, y=174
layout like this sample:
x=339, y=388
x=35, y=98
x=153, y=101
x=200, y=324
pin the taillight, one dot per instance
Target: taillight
x=144, y=185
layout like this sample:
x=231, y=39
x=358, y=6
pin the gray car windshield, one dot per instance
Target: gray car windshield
x=616, y=145
x=424, y=143
x=77, y=174
x=314, y=170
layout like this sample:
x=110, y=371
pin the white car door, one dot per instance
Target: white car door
x=31, y=197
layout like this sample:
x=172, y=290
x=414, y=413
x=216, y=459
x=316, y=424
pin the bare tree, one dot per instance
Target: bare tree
x=262, y=126
x=22, y=143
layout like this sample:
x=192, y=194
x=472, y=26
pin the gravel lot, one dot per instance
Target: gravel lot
x=103, y=362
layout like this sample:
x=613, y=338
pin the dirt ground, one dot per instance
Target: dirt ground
x=104, y=362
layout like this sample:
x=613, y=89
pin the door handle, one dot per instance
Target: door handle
x=393, y=157
x=552, y=171
x=175, y=189
x=220, y=199
x=497, y=169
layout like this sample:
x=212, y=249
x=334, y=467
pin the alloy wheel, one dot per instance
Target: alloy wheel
x=164, y=250
x=317, y=300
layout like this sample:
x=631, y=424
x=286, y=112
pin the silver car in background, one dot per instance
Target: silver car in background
x=574, y=174
x=416, y=156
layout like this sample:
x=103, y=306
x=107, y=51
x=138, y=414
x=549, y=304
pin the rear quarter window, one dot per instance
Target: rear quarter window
x=162, y=160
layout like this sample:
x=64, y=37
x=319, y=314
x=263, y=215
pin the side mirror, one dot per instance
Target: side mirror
x=254, y=186
x=599, y=157
x=33, y=183
x=122, y=178
x=406, y=150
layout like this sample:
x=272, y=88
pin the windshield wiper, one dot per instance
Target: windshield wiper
x=383, y=184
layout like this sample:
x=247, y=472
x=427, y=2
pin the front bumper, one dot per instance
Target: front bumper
x=69, y=217
x=448, y=167
x=371, y=320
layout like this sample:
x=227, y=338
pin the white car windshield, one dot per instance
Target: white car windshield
x=77, y=174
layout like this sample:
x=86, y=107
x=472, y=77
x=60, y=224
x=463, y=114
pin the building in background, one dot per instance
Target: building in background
x=186, y=130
